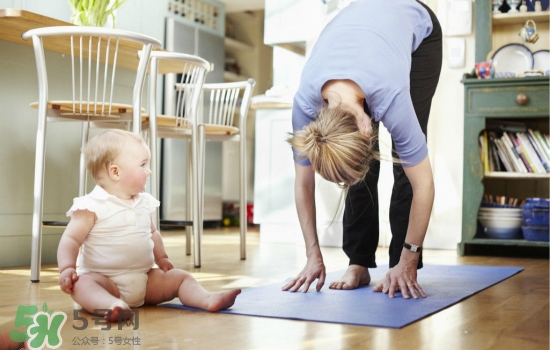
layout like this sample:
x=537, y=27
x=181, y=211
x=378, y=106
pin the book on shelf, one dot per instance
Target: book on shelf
x=520, y=163
x=521, y=152
x=486, y=164
x=539, y=149
x=495, y=163
x=503, y=155
x=544, y=141
x=528, y=153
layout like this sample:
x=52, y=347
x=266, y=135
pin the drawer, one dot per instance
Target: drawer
x=507, y=99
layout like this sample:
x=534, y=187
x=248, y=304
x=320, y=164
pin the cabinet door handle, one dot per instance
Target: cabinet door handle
x=522, y=99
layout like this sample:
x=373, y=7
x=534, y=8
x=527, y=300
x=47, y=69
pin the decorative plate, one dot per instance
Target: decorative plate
x=542, y=60
x=515, y=58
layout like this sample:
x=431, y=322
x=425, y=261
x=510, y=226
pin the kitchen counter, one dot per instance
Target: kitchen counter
x=270, y=105
x=279, y=101
x=14, y=22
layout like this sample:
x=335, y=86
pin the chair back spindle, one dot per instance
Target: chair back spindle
x=97, y=80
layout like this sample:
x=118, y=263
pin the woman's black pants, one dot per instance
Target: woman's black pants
x=361, y=222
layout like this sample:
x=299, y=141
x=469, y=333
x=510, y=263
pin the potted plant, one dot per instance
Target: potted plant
x=94, y=12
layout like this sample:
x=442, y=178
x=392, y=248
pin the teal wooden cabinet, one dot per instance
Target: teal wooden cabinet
x=521, y=99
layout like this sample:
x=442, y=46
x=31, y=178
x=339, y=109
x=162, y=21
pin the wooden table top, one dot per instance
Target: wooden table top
x=14, y=22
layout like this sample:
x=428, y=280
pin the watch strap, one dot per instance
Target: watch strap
x=413, y=248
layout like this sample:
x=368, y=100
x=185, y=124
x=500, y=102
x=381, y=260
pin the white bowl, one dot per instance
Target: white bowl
x=496, y=212
x=500, y=214
x=501, y=222
x=500, y=210
x=498, y=217
x=503, y=233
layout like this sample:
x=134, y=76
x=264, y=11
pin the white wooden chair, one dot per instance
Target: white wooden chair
x=220, y=103
x=180, y=119
x=92, y=55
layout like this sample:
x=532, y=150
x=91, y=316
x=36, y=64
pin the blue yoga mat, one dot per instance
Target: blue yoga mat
x=444, y=286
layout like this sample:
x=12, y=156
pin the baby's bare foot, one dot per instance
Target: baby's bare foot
x=222, y=300
x=117, y=308
x=354, y=277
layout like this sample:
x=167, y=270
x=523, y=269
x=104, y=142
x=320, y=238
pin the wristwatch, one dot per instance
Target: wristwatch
x=413, y=248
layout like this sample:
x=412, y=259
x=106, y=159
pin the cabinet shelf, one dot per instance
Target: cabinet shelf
x=508, y=242
x=514, y=175
x=520, y=17
x=486, y=99
x=495, y=98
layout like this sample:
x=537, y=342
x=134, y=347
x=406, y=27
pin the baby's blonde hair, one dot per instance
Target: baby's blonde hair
x=335, y=147
x=103, y=150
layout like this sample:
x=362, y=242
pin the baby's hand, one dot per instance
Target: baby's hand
x=164, y=264
x=67, y=279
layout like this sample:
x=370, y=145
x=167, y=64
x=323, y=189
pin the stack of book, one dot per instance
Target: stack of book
x=525, y=151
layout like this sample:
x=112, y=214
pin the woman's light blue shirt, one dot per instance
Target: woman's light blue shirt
x=370, y=42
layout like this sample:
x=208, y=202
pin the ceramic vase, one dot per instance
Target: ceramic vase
x=513, y=5
x=496, y=5
x=523, y=7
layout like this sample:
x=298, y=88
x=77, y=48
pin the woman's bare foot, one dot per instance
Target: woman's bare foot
x=222, y=300
x=354, y=277
x=116, y=308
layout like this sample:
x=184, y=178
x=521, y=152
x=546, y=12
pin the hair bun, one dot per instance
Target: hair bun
x=319, y=137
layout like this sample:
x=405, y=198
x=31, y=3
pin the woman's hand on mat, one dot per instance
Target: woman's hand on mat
x=402, y=278
x=67, y=279
x=315, y=268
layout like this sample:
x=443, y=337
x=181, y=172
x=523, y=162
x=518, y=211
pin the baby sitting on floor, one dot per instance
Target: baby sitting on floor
x=119, y=241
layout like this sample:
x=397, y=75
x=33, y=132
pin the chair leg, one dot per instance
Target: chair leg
x=154, y=178
x=188, y=192
x=38, y=210
x=200, y=197
x=197, y=220
x=242, y=195
x=83, y=175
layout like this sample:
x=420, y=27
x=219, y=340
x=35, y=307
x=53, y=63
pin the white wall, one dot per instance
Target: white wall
x=445, y=144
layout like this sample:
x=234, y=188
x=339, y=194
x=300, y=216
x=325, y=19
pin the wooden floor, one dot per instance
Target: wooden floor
x=513, y=314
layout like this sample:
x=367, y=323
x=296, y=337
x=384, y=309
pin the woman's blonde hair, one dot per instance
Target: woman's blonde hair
x=104, y=149
x=335, y=147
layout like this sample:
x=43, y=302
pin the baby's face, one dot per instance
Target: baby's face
x=134, y=167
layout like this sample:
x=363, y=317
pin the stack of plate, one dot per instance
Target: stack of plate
x=503, y=223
